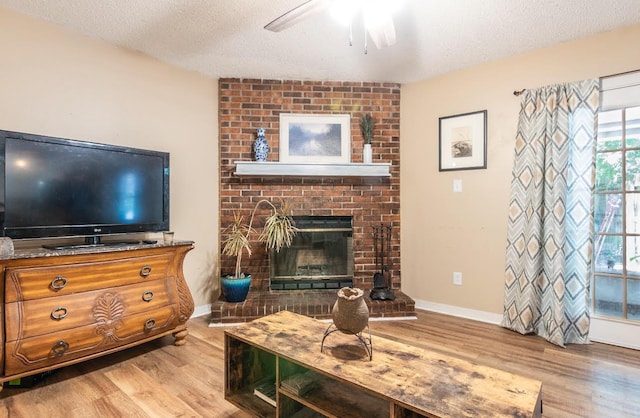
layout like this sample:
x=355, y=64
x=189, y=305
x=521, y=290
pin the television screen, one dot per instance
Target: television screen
x=60, y=187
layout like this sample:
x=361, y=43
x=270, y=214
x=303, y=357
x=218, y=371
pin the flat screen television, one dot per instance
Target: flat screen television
x=56, y=187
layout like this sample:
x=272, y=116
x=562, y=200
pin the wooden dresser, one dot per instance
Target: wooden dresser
x=63, y=307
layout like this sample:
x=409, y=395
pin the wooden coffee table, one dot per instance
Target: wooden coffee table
x=400, y=380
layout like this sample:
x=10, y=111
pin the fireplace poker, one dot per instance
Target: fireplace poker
x=378, y=277
x=387, y=267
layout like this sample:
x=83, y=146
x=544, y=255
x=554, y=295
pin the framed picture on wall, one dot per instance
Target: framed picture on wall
x=463, y=141
x=307, y=138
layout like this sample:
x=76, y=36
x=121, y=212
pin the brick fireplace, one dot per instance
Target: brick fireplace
x=249, y=104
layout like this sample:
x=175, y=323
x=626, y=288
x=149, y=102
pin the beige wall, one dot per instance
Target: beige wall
x=442, y=231
x=58, y=83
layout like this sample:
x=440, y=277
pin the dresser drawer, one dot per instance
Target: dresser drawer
x=58, y=347
x=27, y=283
x=27, y=319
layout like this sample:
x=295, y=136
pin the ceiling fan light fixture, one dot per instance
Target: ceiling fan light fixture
x=344, y=11
x=379, y=23
x=376, y=14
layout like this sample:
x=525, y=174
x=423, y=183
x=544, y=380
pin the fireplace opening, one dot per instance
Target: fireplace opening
x=320, y=256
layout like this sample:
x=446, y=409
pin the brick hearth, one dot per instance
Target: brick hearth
x=249, y=104
x=316, y=304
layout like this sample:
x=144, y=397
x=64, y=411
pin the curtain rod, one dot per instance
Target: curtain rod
x=518, y=92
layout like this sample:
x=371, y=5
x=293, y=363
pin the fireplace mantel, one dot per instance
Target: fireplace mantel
x=259, y=169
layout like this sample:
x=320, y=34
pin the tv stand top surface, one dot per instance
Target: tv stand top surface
x=103, y=247
x=59, y=247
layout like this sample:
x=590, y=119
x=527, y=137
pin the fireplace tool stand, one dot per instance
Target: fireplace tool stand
x=382, y=278
x=364, y=340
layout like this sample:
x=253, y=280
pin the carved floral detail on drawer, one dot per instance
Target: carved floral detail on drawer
x=108, y=313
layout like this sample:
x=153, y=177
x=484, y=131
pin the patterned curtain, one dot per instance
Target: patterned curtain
x=550, y=228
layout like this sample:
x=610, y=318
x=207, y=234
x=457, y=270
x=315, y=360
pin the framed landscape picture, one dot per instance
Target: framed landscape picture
x=307, y=138
x=463, y=141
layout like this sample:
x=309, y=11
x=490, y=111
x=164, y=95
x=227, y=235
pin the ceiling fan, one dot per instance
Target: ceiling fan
x=376, y=14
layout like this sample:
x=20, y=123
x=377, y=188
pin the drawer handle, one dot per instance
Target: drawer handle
x=147, y=296
x=59, y=312
x=145, y=271
x=60, y=348
x=58, y=283
x=150, y=324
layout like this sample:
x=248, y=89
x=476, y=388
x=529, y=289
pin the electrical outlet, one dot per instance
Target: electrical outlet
x=457, y=278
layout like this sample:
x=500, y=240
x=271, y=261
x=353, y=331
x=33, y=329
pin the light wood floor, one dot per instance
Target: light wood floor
x=159, y=379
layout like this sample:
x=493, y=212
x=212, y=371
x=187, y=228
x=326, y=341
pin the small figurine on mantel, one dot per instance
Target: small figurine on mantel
x=382, y=278
x=260, y=146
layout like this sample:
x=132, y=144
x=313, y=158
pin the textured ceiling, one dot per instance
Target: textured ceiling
x=225, y=38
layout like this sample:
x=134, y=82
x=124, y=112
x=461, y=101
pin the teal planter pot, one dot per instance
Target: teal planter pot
x=235, y=290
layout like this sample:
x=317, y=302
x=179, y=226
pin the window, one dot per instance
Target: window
x=616, y=284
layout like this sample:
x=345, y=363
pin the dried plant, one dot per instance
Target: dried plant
x=278, y=231
x=279, y=228
x=367, y=125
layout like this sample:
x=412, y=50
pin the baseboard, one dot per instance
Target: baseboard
x=201, y=311
x=225, y=324
x=618, y=333
x=482, y=316
x=614, y=332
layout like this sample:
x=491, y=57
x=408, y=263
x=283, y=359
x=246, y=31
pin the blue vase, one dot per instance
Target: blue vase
x=235, y=290
x=260, y=146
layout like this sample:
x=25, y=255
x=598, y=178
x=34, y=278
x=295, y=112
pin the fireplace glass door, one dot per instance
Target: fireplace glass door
x=320, y=257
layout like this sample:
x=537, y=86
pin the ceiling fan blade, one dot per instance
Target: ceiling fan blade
x=383, y=32
x=295, y=15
